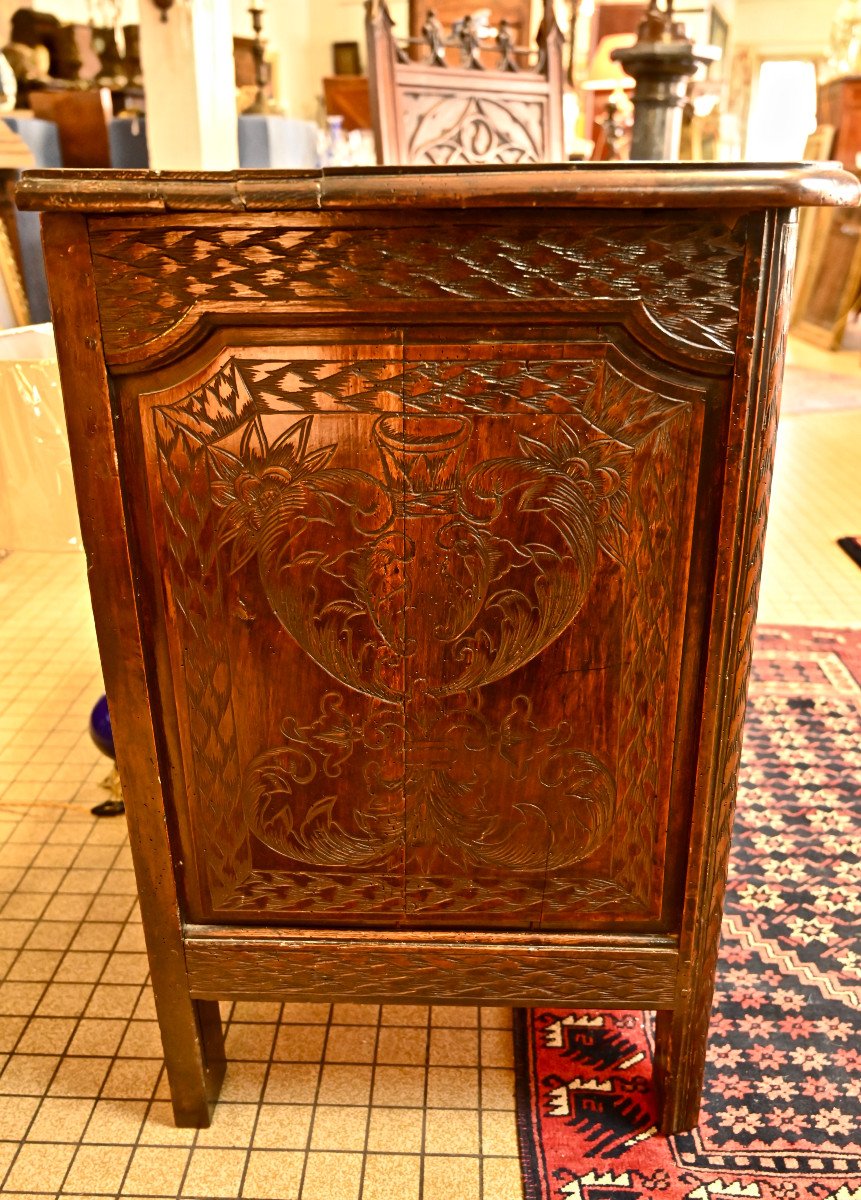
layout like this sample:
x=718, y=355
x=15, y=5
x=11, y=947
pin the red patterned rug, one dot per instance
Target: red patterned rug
x=781, y=1116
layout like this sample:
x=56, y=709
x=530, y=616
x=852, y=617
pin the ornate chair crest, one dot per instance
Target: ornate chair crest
x=467, y=97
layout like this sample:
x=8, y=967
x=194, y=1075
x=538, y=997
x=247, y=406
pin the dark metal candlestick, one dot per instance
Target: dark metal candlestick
x=662, y=61
x=615, y=125
x=164, y=6
x=262, y=103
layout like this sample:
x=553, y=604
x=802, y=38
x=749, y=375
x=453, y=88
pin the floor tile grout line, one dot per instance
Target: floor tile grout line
x=64, y=1056
x=425, y=1092
x=260, y=1100
x=370, y=1102
x=196, y=1132
x=79, y=923
x=41, y=743
x=480, y=1106
x=137, y=1142
x=314, y=1105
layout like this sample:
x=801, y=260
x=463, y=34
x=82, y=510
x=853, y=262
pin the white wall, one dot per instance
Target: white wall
x=779, y=26
x=775, y=29
x=187, y=62
x=301, y=36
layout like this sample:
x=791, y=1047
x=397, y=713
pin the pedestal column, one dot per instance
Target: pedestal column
x=662, y=61
x=190, y=86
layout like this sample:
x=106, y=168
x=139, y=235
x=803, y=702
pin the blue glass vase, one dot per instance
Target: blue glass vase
x=100, y=727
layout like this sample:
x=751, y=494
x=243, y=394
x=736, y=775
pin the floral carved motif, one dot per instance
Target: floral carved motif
x=450, y=129
x=417, y=573
x=411, y=590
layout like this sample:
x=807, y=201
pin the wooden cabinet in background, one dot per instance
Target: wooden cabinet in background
x=828, y=274
x=425, y=515
x=839, y=105
x=830, y=286
x=348, y=96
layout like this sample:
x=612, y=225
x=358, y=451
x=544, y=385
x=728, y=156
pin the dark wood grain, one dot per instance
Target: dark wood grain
x=191, y=1030
x=838, y=103
x=82, y=119
x=831, y=286
x=155, y=284
x=464, y=702
x=683, y=1033
x=445, y=530
x=472, y=970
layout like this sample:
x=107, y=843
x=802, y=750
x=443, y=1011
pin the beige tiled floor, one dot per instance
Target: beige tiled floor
x=323, y=1102
x=816, y=498
x=336, y=1103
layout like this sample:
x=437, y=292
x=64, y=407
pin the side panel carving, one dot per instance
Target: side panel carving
x=647, y=631
x=197, y=592
x=684, y=1034
x=414, y=579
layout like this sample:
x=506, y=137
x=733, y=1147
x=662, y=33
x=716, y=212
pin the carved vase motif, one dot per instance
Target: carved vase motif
x=414, y=589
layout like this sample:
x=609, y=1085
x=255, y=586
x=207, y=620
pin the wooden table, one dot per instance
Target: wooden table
x=424, y=515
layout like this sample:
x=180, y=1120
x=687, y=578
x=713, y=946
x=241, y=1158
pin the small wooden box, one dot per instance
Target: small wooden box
x=424, y=515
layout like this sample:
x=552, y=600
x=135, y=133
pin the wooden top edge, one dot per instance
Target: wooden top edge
x=214, y=935
x=576, y=185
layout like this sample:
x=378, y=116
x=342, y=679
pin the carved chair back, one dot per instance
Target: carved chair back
x=458, y=98
x=82, y=120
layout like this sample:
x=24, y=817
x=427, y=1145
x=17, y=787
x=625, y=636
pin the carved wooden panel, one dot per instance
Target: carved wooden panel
x=449, y=128
x=383, y=561
x=465, y=96
x=689, y=1029
x=502, y=971
x=684, y=272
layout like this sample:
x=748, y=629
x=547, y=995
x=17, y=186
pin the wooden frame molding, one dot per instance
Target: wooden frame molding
x=473, y=968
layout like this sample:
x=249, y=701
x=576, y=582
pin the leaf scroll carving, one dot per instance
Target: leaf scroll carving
x=450, y=794
x=421, y=654
x=416, y=576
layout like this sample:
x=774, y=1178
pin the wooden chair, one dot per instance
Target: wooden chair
x=82, y=122
x=498, y=104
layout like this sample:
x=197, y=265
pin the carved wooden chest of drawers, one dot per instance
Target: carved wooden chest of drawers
x=424, y=517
